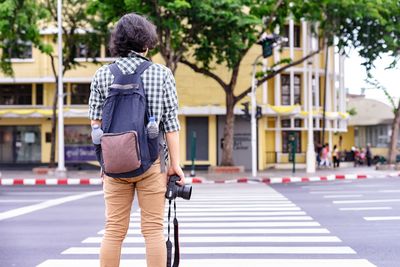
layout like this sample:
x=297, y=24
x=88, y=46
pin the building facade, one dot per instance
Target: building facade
x=371, y=125
x=26, y=100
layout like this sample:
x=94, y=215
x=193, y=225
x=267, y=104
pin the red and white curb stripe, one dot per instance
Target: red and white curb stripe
x=280, y=180
x=198, y=180
x=51, y=181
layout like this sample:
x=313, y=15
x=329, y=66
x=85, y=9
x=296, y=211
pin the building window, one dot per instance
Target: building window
x=85, y=51
x=80, y=93
x=377, y=136
x=20, y=144
x=296, y=35
x=20, y=50
x=317, y=137
x=87, y=46
x=39, y=94
x=287, y=134
x=285, y=90
x=197, y=126
x=15, y=94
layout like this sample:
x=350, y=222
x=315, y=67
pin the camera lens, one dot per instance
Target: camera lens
x=184, y=192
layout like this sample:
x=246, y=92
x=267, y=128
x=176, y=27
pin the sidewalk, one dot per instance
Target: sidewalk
x=268, y=176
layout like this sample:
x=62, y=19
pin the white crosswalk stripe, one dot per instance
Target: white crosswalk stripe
x=221, y=227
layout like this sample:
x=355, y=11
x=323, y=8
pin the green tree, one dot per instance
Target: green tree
x=170, y=17
x=78, y=36
x=25, y=19
x=201, y=34
x=18, y=23
x=392, y=154
x=370, y=26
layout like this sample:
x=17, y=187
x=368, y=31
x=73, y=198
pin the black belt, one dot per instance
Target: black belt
x=176, y=238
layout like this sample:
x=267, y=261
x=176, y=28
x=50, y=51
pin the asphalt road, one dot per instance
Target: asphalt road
x=340, y=223
x=364, y=214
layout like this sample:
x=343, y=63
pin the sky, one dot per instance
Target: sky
x=355, y=75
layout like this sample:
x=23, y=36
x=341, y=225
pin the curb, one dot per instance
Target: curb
x=199, y=180
x=285, y=180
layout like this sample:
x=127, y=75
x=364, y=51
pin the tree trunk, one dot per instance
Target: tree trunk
x=394, y=137
x=227, y=149
x=325, y=92
x=52, y=162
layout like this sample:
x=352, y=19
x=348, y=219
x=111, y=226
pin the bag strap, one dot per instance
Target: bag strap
x=176, y=239
x=115, y=70
x=142, y=67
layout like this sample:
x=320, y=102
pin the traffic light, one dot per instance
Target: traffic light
x=266, y=45
x=245, y=110
x=259, y=112
x=268, y=42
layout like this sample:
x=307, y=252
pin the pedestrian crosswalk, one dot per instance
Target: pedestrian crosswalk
x=235, y=226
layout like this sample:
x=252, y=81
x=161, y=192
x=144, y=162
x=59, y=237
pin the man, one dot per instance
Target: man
x=130, y=42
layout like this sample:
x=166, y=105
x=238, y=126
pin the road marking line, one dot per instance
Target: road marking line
x=236, y=239
x=224, y=263
x=341, y=196
x=224, y=250
x=228, y=219
x=246, y=224
x=230, y=214
x=181, y=210
x=234, y=206
x=365, y=201
x=238, y=213
x=36, y=193
x=275, y=201
x=383, y=218
x=339, y=192
x=20, y=200
x=366, y=208
x=46, y=204
x=240, y=231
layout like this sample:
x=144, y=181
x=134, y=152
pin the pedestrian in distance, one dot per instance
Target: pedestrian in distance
x=154, y=84
x=336, y=157
x=368, y=155
x=324, y=156
x=329, y=156
x=318, y=150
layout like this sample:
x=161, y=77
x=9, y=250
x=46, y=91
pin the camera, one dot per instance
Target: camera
x=174, y=190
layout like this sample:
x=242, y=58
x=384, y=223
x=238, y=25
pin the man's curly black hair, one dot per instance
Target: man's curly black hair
x=132, y=33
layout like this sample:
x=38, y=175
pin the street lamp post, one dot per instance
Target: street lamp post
x=61, y=163
x=310, y=157
x=267, y=43
x=254, y=120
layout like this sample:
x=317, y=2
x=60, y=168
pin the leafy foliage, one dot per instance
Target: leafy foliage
x=371, y=25
x=78, y=33
x=18, y=23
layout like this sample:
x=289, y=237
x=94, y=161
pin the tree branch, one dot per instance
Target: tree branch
x=271, y=17
x=206, y=72
x=273, y=74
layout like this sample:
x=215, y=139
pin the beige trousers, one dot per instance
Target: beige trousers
x=118, y=196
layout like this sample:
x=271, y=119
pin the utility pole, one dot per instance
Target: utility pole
x=310, y=157
x=61, y=162
x=254, y=120
x=267, y=43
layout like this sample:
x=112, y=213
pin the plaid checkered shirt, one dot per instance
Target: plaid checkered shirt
x=159, y=86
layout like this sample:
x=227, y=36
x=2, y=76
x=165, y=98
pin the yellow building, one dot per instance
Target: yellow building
x=26, y=100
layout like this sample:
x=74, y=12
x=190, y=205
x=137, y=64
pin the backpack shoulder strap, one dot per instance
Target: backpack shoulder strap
x=142, y=67
x=115, y=70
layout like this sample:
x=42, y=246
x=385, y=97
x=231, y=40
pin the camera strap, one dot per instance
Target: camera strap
x=176, y=238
